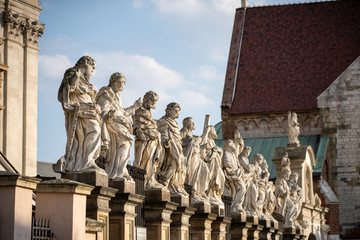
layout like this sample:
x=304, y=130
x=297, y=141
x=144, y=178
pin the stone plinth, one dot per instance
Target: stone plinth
x=180, y=222
x=97, y=208
x=63, y=202
x=245, y=226
x=157, y=213
x=16, y=205
x=179, y=228
x=293, y=233
x=218, y=227
x=270, y=229
x=122, y=215
x=200, y=228
x=93, y=178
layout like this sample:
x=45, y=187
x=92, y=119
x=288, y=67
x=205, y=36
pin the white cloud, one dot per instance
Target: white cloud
x=138, y=3
x=207, y=73
x=226, y=6
x=53, y=66
x=181, y=8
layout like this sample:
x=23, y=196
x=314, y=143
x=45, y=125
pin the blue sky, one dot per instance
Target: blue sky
x=177, y=48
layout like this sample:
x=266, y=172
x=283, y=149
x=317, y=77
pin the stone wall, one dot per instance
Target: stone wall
x=19, y=30
x=340, y=119
x=270, y=125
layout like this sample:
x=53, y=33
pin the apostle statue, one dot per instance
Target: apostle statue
x=213, y=159
x=148, y=149
x=234, y=174
x=173, y=167
x=82, y=120
x=197, y=172
x=118, y=129
x=288, y=195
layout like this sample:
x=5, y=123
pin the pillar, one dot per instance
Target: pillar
x=63, y=202
x=16, y=193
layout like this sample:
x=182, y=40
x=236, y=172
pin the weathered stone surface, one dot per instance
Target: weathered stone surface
x=94, y=178
x=340, y=114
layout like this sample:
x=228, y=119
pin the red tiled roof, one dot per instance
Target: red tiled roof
x=290, y=54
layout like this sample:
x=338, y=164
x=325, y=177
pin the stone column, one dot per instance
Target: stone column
x=218, y=227
x=293, y=233
x=201, y=221
x=245, y=226
x=16, y=193
x=97, y=205
x=179, y=228
x=97, y=208
x=270, y=228
x=63, y=202
x=122, y=215
x=157, y=212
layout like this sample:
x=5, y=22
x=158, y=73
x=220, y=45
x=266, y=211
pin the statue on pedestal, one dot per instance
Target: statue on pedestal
x=197, y=172
x=173, y=165
x=117, y=128
x=234, y=174
x=82, y=120
x=148, y=149
x=294, y=129
x=213, y=159
x=288, y=197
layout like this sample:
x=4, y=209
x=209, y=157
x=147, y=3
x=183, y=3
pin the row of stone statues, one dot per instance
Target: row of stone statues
x=98, y=125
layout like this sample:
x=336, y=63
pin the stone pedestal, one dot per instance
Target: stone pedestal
x=16, y=205
x=293, y=233
x=157, y=212
x=93, y=178
x=218, y=227
x=245, y=227
x=180, y=222
x=64, y=203
x=97, y=208
x=270, y=229
x=201, y=221
x=122, y=215
x=97, y=205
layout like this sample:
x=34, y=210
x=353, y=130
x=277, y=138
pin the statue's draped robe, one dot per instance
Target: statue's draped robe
x=252, y=188
x=148, y=153
x=197, y=171
x=234, y=185
x=118, y=134
x=174, y=177
x=76, y=90
x=213, y=159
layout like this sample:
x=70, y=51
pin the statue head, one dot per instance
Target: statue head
x=247, y=150
x=212, y=132
x=117, y=81
x=257, y=159
x=149, y=100
x=294, y=177
x=286, y=171
x=229, y=145
x=172, y=110
x=86, y=65
x=188, y=124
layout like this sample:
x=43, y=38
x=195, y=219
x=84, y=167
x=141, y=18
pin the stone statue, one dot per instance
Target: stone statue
x=250, y=174
x=197, y=172
x=82, y=120
x=295, y=197
x=294, y=129
x=288, y=197
x=213, y=159
x=173, y=167
x=262, y=178
x=285, y=161
x=234, y=177
x=148, y=149
x=118, y=129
